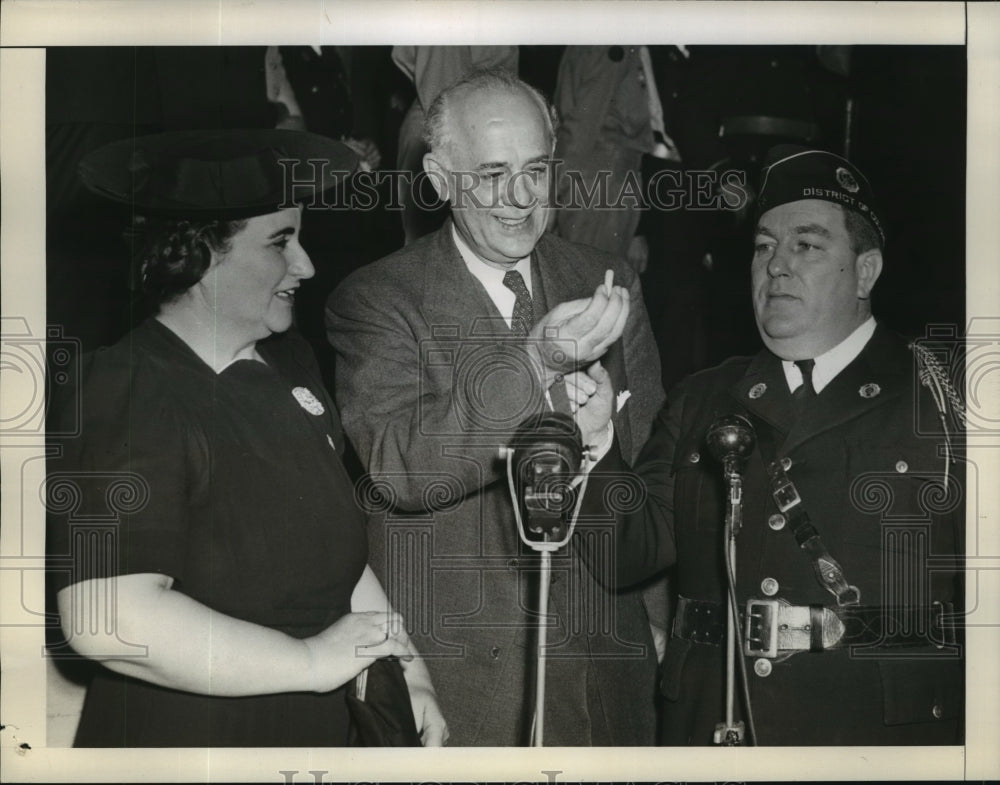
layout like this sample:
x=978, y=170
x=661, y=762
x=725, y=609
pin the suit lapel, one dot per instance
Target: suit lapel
x=871, y=380
x=763, y=392
x=453, y=295
x=561, y=281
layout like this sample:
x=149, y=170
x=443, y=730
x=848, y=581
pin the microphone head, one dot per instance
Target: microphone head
x=731, y=436
x=550, y=430
x=546, y=451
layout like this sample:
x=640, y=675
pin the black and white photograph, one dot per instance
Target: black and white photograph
x=472, y=378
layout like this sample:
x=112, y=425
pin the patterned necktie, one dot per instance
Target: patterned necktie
x=524, y=313
x=805, y=391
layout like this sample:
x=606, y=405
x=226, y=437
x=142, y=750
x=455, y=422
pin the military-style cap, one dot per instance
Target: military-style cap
x=791, y=173
x=216, y=174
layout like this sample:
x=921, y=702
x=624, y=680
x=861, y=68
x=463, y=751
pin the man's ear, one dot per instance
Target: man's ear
x=438, y=174
x=869, y=267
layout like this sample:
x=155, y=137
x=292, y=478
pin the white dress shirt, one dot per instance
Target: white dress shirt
x=492, y=278
x=830, y=363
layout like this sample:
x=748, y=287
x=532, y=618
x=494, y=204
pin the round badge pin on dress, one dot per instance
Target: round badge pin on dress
x=308, y=401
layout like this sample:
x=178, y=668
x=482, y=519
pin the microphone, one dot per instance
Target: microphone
x=730, y=440
x=545, y=455
x=543, y=459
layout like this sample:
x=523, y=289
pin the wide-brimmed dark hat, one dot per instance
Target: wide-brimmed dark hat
x=791, y=172
x=217, y=174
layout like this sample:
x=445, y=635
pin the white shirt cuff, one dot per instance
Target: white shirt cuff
x=599, y=451
x=596, y=453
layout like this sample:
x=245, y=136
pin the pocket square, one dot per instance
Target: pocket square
x=623, y=396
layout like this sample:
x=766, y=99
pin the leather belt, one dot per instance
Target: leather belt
x=773, y=628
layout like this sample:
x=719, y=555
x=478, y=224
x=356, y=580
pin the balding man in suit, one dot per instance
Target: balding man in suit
x=443, y=349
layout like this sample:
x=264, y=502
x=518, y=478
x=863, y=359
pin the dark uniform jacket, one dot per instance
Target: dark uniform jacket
x=874, y=487
x=430, y=381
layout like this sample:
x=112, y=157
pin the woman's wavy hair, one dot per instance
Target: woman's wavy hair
x=175, y=253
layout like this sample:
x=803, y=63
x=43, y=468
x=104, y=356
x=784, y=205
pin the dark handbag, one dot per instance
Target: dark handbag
x=380, y=708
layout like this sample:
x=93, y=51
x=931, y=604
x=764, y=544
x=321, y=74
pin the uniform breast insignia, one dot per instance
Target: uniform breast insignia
x=757, y=390
x=869, y=390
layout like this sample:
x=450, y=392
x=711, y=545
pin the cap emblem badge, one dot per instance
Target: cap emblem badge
x=757, y=390
x=846, y=180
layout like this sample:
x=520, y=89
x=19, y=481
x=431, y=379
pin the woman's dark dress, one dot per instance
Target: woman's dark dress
x=249, y=509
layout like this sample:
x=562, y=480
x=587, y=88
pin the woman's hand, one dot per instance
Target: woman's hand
x=352, y=643
x=427, y=714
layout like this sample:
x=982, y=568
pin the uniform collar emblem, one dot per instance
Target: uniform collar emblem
x=757, y=390
x=869, y=390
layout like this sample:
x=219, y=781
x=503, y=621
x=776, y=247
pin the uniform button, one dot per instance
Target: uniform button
x=495, y=652
x=694, y=457
x=786, y=463
x=512, y=564
x=902, y=467
x=777, y=521
x=769, y=586
x=762, y=667
x=936, y=711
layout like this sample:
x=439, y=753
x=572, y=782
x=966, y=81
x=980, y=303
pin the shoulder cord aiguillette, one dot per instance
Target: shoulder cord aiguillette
x=933, y=377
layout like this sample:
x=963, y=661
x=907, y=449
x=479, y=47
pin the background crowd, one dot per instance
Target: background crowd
x=898, y=112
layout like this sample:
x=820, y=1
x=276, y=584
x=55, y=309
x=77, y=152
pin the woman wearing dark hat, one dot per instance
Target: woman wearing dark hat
x=232, y=604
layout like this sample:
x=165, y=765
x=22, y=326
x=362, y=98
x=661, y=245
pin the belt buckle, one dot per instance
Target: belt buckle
x=761, y=634
x=786, y=496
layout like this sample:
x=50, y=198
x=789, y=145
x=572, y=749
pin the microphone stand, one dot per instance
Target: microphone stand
x=730, y=439
x=544, y=581
x=730, y=732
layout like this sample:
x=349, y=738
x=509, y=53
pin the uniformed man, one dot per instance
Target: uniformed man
x=846, y=581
